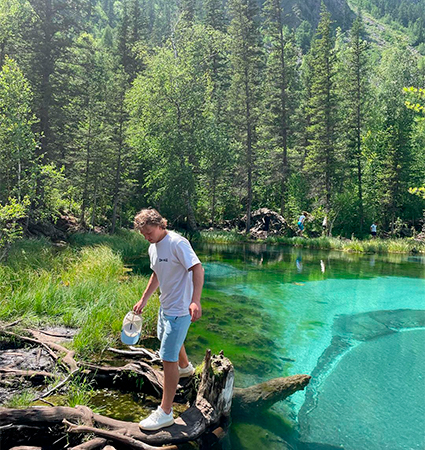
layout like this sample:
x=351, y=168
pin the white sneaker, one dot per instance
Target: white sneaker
x=158, y=419
x=187, y=371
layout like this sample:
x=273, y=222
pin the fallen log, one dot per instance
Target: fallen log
x=49, y=345
x=151, y=357
x=213, y=402
x=128, y=441
x=68, y=359
x=26, y=447
x=254, y=399
x=33, y=375
x=125, y=375
x=31, y=340
x=209, y=411
x=93, y=444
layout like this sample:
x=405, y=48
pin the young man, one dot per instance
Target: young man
x=179, y=274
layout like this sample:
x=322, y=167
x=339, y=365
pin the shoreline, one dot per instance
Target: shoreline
x=366, y=246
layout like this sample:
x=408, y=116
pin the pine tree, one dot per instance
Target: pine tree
x=187, y=11
x=355, y=107
x=217, y=157
x=215, y=15
x=279, y=89
x=13, y=14
x=48, y=37
x=321, y=159
x=89, y=157
x=244, y=95
x=393, y=150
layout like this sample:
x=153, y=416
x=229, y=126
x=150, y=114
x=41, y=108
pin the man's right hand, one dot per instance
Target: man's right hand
x=138, y=307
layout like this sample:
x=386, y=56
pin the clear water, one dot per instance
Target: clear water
x=355, y=323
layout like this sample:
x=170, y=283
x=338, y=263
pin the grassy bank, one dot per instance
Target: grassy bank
x=87, y=286
x=84, y=285
x=405, y=245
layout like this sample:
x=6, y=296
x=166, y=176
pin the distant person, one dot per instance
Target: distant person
x=301, y=221
x=373, y=230
x=322, y=266
x=325, y=225
x=179, y=275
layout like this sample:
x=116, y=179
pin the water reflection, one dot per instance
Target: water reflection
x=299, y=263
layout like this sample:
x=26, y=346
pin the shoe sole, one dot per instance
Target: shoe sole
x=158, y=427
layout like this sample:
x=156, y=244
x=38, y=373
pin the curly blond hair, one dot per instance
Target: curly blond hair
x=149, y=217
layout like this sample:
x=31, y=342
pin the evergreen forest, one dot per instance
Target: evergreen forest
x=211, y=109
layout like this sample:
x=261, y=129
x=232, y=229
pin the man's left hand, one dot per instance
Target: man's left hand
x=195, y=310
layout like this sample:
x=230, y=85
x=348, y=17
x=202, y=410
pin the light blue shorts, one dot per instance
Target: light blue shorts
x=172, y=332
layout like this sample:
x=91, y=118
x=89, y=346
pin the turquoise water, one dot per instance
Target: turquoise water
x=356, y=323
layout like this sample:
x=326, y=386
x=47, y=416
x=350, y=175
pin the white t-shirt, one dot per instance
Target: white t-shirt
x=171, y=258
x=373, y=228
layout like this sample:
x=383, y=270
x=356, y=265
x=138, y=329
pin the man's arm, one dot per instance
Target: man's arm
x=195, y=308
x=152, y=286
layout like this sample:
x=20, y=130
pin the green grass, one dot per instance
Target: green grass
x=127, y=243
x=21, y=399
x=401, y=245
x=80, y=392
x=88, y=288
x=221, y=237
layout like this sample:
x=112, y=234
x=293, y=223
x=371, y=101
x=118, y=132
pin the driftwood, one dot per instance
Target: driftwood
x=212, y=404
x=49, y=341
x=93, y=444
x=49, y=344
x=108, y=375
x=26, y=447
x=30, y=340
x=116, y=436
x=209, y=410
x=134, y=352
x=254, y=399
x=33, y=375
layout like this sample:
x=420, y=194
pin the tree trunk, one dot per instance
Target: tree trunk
x=248, y=152
x=284, y=112
x=255, y=399
x=117, y=175
x=86, y=180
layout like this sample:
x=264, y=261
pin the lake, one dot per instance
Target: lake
x=355, y=323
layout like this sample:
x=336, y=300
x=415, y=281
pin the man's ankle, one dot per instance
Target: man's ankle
x=166, y=410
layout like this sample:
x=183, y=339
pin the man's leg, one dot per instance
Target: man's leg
x=183, y=359
x=171, y=380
